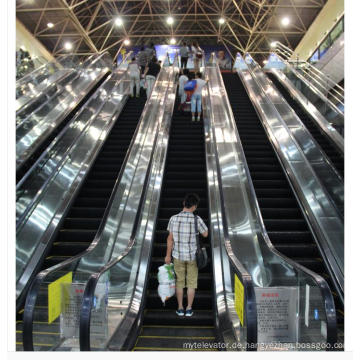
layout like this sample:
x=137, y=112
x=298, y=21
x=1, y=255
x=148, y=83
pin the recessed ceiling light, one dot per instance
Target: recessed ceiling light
x=170, y=20
x=127, y=42
x=172, y=41
x=68, y=45
x=285, y=21
x=221, y=21
x=118, y=21
x=50, y=25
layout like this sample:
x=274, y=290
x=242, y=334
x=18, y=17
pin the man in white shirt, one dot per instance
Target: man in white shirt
x=134, y=72
x=183, y=79
x=184, y=55
x=196, y=97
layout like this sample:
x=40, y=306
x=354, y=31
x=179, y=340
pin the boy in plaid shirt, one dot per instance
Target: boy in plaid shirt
x=181, y=243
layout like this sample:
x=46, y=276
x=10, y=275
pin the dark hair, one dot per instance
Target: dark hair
x=154, y=59
x=184, y=43
x=151, y=44
x=186, y=72
x=133, y=59
x=191, y=76
x=191, y=200
x=142, y=48
x=199, y=74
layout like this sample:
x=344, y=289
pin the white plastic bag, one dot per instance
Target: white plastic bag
x=166, y=278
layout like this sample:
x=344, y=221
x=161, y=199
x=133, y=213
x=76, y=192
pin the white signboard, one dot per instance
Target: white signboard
x=277, y=314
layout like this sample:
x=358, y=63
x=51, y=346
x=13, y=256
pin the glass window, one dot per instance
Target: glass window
x=315, y=57
x=337, y=31
x=324, y=47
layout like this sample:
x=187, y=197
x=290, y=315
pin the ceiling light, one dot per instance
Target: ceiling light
x=172, y=41
x=285, y=21
x=273, y=44
x=170, y=20
x=50, y=25
x=221, y=21
x=118, y=21
x=126, y=42
x=265, y=62
x=68, y=45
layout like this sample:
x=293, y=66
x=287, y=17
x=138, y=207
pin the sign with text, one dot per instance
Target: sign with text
x=277, y=314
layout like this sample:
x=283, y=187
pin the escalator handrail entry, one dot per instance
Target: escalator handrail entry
x=37, y=282
x=89, y=291
x=319, y=280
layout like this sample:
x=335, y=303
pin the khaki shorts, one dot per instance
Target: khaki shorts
x=186, y=270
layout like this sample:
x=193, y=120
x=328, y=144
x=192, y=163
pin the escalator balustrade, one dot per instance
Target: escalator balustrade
x=283, y=218
x=326, y=144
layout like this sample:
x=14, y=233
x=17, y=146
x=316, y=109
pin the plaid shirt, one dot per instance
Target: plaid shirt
x=182, y=226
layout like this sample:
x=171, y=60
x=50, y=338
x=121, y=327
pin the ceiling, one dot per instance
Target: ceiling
x=250, y=25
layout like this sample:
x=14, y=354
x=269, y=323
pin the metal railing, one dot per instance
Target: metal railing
x=323, y=82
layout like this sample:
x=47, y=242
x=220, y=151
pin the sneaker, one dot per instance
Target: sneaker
x=132, y=95
x=193, y=118
x=137, y=95
x=189, y=312
x=198, y=119
x=180, y=312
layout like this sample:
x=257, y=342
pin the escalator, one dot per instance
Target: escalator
x=283, y=218
x=326, y=144
x=185, y=172
x=83, y=219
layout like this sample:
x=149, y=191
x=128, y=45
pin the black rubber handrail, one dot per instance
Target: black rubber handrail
x=37, y=282
x=87, y=303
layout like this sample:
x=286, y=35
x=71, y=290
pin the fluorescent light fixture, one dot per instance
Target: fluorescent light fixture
x=273, y=44
x=68, y=45
x=285, y=21
x=172, y=41
x=50, y=25
x=118, y=21
x=170, y=20
x=221, y=21
x=126, y=42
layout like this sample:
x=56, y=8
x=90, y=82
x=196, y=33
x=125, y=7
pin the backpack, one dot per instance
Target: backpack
x=190, y=85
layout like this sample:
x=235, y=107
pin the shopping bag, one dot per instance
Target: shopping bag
x=166, y=279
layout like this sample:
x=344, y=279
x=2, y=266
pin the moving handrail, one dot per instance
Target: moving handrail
x=48, y=163
x=332, y=181
x=25, y=84
x=243, y=223
x=132, y=263
x=87, y=261
x=278, y=68
x=37, y=126
x=58, y=174
x=324, y=219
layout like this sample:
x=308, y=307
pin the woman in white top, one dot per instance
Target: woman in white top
x=134, y=72
x=197, y=54
x=183, y=79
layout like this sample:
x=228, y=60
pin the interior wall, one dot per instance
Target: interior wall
x=323, y=23
x=26, y=40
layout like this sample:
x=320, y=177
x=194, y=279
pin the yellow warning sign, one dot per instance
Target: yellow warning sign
x=54, y=296
x=239, y=299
